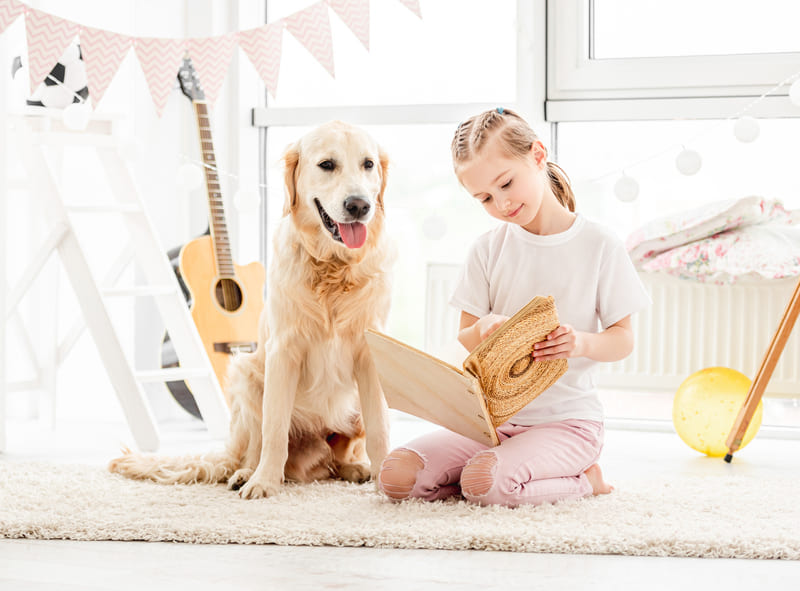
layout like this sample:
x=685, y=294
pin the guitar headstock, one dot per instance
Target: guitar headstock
x=190, y=82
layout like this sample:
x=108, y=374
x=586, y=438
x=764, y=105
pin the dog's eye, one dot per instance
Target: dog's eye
x=368, y=164
x=327, y=165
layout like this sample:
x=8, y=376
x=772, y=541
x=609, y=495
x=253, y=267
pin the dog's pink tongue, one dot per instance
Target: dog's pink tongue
x=353, y=235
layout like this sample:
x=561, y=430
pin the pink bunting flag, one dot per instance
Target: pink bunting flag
x=312, y=28
x=413, y=6
x=211, y=57
x=9, y=11
x=263, y=46
x=354, y=14
x=160, y=59
x=102, y=51
x=48, y=37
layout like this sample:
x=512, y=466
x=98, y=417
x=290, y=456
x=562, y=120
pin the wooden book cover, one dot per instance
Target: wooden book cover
x=500, y=377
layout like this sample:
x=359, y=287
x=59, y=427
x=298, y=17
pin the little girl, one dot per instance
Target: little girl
x=549, y=450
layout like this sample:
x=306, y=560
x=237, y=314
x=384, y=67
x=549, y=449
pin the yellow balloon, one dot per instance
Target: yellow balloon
x=706, y=406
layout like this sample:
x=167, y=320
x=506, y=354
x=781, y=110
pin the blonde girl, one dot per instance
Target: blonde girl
x=549, y=450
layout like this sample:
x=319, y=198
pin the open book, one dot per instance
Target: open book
x=499, y=378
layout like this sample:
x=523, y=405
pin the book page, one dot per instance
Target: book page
x=428, y=388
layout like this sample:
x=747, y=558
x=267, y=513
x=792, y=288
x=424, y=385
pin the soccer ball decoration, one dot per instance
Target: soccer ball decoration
x=66, y=83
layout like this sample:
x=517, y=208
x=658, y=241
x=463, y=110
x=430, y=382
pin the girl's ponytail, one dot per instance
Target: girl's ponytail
x=559, y=181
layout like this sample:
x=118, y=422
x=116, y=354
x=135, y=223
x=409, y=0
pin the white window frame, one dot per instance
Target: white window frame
x=580, y=88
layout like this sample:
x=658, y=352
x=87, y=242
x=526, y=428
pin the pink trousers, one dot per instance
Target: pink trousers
x=532, y=465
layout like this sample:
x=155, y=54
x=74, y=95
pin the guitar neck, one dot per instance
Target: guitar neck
x=216, y=209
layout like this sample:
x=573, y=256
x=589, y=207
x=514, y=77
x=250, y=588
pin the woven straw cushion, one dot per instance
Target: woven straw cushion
x=508, y=375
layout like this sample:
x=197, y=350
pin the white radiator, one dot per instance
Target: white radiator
x=688, y=327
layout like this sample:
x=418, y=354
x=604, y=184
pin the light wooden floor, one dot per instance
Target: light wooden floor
x=67, y=565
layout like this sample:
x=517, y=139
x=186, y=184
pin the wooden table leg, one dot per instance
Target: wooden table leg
x=761, y=380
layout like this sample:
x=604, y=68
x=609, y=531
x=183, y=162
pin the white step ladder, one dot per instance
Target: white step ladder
x=35, y=139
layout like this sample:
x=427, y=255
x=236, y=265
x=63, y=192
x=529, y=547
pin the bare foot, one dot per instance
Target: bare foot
x=595, y=476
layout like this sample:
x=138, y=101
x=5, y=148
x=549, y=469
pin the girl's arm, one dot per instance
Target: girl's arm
x=473, y=330
x=613, y=344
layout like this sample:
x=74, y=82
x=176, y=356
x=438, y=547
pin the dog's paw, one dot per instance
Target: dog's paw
x=354, y=472
x=239, y=478
x=258, y=490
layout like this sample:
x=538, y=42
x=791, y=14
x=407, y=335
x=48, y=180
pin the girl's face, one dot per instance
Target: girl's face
x=511, y=189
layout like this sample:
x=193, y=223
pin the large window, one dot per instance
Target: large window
x=410, y=90
x=611, y=86
x=632, y=83
x=683, y=28
x=604, y=56
x=460, y=51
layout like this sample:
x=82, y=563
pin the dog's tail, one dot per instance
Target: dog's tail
x=207, y=468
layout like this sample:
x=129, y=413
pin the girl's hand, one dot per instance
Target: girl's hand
x=563, y=343
x=488, y=324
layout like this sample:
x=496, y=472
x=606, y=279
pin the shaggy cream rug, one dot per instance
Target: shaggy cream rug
x=710, y=516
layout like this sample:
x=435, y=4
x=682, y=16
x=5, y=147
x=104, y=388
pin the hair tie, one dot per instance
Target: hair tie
x=500, y=110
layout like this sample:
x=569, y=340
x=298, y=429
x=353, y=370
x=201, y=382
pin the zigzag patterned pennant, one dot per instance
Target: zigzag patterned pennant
x=160, y=59
x=9, y=11
x=312, y=28
x=48, y=37
x=354, y=14
x=102, y=51
x=263, y=46
x=211, y=57
x=413, y=6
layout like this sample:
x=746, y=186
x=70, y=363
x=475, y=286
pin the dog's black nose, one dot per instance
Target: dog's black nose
x=357, y=207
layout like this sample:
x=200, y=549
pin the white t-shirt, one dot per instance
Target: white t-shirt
x=589, y=274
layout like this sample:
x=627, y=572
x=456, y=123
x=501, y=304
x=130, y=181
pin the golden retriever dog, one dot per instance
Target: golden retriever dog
x=297, y=402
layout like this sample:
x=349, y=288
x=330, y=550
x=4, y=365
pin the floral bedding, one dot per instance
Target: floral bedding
x=749, y=239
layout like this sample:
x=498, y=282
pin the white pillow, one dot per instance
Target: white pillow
x=675, y=230
x=752, y=253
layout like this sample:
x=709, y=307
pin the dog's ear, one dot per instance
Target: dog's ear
x=291, y=158
x=384, y=158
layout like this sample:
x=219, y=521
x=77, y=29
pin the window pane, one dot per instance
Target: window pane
x=461, y=51
x=429, y=215
x=595, y=154
x=653, y=28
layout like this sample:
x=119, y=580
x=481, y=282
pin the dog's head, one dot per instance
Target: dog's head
x=335, y=179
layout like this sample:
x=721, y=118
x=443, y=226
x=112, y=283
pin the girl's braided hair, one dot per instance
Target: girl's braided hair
x=516, y=138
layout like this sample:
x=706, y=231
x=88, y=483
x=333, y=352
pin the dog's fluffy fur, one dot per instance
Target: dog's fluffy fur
x=297, y=401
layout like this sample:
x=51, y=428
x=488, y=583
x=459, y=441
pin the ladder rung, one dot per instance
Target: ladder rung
x=140, y=290
x=104, y=208
x=173, y=374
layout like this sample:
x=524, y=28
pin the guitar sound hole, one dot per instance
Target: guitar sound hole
x=228, y=294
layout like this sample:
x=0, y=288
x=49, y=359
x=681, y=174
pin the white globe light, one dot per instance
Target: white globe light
x=434, y=227
x=688, y=162
x=76, y=116
x=626, y=189
x=794, y=93
x=746, y=129
x=246, y=202
x=190, y=176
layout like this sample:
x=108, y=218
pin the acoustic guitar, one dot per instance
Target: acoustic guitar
x=225, y=299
